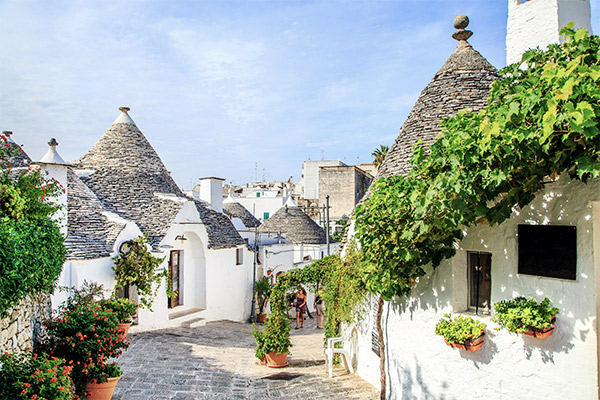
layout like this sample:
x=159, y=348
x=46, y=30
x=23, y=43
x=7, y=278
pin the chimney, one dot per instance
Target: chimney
x=211, y=191
x=54, y=165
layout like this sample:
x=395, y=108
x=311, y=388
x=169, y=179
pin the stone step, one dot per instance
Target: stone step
x=184, y=313
x=194, y=323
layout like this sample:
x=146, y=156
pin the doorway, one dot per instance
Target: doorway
x=175, y=273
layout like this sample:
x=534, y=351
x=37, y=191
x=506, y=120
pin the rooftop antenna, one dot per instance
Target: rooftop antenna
x=322, y=155
x=255, y=172
x=264, y=175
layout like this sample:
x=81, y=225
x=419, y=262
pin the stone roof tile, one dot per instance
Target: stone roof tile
x=91, y=234
x=298, y=227
x=462, y=83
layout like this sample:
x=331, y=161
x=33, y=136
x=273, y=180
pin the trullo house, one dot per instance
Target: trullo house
x=120, y=190
x=486, y=268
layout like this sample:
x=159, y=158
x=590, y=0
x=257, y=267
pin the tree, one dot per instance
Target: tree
x=379, y=154
x=31, y=252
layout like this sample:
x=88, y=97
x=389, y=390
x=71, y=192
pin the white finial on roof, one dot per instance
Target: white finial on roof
x=290, y=202
x=52, y=156
x=124, y=118
x=7, y=134
x=229, y=200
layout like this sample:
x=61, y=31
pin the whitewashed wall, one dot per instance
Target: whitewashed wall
x=260, y=205
x=210, y=279
x=509, y=366
x=538, y=23
x=99, y=270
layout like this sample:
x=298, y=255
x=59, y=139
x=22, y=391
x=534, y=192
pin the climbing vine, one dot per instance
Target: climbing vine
x=541, y=120
x=340, y=282
x=138, y=267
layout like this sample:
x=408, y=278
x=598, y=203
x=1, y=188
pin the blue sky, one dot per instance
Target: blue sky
x=220, y=86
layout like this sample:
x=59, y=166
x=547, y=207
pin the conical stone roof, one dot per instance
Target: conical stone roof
x=91, y=234
x=462, y=83
x=130, y=179
x=18, y=157
x=234, y=209
x=297, y=226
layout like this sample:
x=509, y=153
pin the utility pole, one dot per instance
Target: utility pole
x=327, y=221
x=253, y=310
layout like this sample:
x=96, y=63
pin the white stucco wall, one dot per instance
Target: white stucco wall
x=98, y=270
x=58, y=172
x=260, y=205
x=210, y=279
x=537, y=23
x=509, y=366
x=229, y=286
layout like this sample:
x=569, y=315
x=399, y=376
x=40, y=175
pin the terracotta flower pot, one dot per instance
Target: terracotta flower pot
x=263, y=361
x=261, y=318
x=276, y=360
x=540, y=333
x=123, y=329
x=101, y=391
x=473, y=344
x=543, y=332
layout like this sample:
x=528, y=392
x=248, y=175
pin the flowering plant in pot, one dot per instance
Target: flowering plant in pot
x=462, y=332
x=263, y=288
x=29, y=375
x=85, y=337
x=527, y=316
x=124, y=309
x=102, y=380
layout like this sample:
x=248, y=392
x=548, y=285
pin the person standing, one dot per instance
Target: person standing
x=319, y=307
x=300, y=307
x=306, y=308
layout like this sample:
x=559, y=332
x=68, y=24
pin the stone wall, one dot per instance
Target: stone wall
x=24, y=324
x=345, y=186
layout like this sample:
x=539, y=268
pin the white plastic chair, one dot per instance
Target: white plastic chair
x=344, y=352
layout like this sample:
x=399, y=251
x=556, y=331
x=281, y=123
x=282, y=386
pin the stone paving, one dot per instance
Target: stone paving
x=217, y=362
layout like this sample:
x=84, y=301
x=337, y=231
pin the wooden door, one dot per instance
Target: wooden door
x=174, y=272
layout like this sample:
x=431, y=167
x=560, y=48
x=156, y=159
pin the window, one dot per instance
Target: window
x=548, y=250
x=239, y=256
x=257, y=194
x=265, y=216
x=480, y=281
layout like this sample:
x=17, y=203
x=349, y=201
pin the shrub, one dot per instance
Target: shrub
x=85, y=337
x=29, y=376
x=459, y=329
x=124, y=309
x=520, y=315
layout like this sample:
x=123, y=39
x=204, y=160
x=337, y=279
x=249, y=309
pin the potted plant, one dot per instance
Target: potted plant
x=102, y=381
x=260, y=351
x=263, y=289
x=85, y=337
x=124, y=310
x=29, y=375
x=276, y=342
x=461, y=332
x=526, y=316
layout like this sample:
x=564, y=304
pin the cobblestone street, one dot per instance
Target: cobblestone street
x=217, y=362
